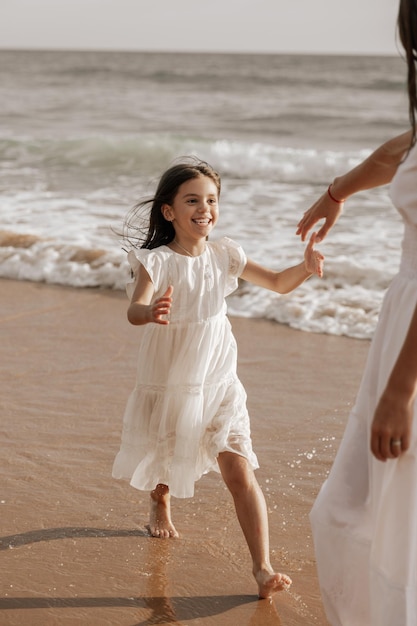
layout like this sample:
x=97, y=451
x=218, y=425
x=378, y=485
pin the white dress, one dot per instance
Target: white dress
x=364, y=520
x=188, y=404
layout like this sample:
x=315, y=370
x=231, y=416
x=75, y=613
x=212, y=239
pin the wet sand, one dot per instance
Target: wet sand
x=74, y=547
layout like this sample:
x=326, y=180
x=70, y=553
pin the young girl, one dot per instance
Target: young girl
x=187, y=414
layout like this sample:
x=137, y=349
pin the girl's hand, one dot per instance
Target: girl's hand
x=313, y=259
x=161, y=307
x=325, y=208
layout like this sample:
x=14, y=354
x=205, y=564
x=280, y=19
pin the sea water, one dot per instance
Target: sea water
x=86, y=135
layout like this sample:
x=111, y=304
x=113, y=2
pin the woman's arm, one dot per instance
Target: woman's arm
x=141, y=309
x=376, y=170
x=394, y=414
x=290, y=278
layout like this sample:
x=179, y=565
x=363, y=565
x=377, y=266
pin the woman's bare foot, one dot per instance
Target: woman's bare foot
x=270, y=583
x=160, y=524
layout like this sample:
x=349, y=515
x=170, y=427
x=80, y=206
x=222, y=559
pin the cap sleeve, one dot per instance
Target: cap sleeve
x=151, y=261
x=236, y=263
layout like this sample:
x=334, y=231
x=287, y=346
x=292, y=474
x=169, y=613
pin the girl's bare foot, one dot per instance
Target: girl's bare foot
x=269, y=583
x=160, y=524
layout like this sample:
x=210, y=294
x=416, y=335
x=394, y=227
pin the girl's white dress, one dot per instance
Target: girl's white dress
x=188, y=404
x=365, y=518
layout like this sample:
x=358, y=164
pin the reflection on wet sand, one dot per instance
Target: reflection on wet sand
x=158, y=600
x=167, y=609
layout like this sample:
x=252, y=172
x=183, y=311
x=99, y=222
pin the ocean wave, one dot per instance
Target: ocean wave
x=141, y=155
x=346, y=302
x=28, y=257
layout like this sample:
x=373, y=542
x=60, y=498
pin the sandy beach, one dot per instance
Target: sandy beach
x=74, y=547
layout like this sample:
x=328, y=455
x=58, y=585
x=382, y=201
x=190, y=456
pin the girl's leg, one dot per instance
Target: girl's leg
x=160, y=524
x=253, y=518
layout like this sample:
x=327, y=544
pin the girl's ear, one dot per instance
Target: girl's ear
x=167, y=212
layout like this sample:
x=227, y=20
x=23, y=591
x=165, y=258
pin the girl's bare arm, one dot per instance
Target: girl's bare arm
x=142, y=310
x=289, y=279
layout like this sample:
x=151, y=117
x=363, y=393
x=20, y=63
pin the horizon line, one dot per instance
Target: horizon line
x=208, y=52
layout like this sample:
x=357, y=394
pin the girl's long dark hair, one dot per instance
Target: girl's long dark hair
x=148, y=228
x=407, y=29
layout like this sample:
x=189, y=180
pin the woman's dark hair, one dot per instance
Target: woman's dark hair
x=407, y=29
x=150, y=229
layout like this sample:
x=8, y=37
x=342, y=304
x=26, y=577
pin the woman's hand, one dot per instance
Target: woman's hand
x=325, y=208
x=376, y=170
x=313, y=259
x=393, y=417
x=391, y=426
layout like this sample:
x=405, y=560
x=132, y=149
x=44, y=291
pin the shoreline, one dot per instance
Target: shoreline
x=75, y=548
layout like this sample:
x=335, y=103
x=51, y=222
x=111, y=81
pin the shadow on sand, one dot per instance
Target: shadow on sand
x=165, y=609
x=70, y=532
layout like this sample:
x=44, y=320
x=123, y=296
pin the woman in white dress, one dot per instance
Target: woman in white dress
x=364, y=520
x=187, y=414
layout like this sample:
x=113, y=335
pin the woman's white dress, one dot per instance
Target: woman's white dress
x=364, y=520
x=188, y=404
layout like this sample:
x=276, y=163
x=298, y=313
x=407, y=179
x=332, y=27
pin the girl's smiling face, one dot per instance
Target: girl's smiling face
x=195, y=209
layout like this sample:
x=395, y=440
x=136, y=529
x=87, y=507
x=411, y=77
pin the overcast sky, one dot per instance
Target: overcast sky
x=317, y=26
